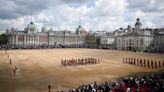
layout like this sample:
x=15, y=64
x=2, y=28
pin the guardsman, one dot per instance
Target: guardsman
x=137, y=61
x=152, y=63
x=141, y=62
x=159, y=64
x=148, y=63
x=144, y=63
x=10, y=61
x=134, y=61
x=155, y=64
x=15, y=70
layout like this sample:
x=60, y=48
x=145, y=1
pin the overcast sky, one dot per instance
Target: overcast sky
x=91, y=14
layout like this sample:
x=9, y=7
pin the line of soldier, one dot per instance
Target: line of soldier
x=10, y=62
x=79, y=61
x=143, y=62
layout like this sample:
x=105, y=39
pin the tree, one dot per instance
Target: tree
x=3, y=39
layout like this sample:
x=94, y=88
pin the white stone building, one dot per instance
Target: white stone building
x=134, y=39
x=31, y=38
x=108, y=41
x=158, y=41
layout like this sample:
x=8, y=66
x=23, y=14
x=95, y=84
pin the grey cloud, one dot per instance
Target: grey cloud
x=137, y=3
x=103, y=14
x=78, y=3
x=75, y=1
x=10, y=9
x=145, y=5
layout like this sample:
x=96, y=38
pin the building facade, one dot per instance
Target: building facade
x=108, y=41
x=139, y=41
x=158, y=40
x=31, y=38
x=133, y=39
x=136, y=39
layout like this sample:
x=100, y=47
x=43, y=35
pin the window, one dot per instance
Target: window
x=141, y=41
x=119, y=41
x=130, y=42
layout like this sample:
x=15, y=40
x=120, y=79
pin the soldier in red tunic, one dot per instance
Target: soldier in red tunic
x=156, y=64
x=148, y=63
x=159, y=63
x=152, y=63
x=10, y=61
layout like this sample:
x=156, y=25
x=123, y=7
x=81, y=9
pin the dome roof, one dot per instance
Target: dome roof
x=138, y=22
x=80, y=29
x=31, y=26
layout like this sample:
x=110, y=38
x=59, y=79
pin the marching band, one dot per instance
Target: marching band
x=80, y=61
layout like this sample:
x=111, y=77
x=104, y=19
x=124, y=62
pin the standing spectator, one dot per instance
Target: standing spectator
x=49, y=88
x=10, y=61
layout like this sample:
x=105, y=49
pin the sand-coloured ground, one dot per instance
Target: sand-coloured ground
x=38, y=68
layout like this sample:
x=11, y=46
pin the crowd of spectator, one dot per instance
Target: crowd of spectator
x=137, y=83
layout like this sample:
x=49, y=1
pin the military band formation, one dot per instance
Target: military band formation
x=143, y=62
x=80, y=61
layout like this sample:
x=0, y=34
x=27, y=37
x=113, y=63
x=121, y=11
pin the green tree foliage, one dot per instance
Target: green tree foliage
x=3, y=39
